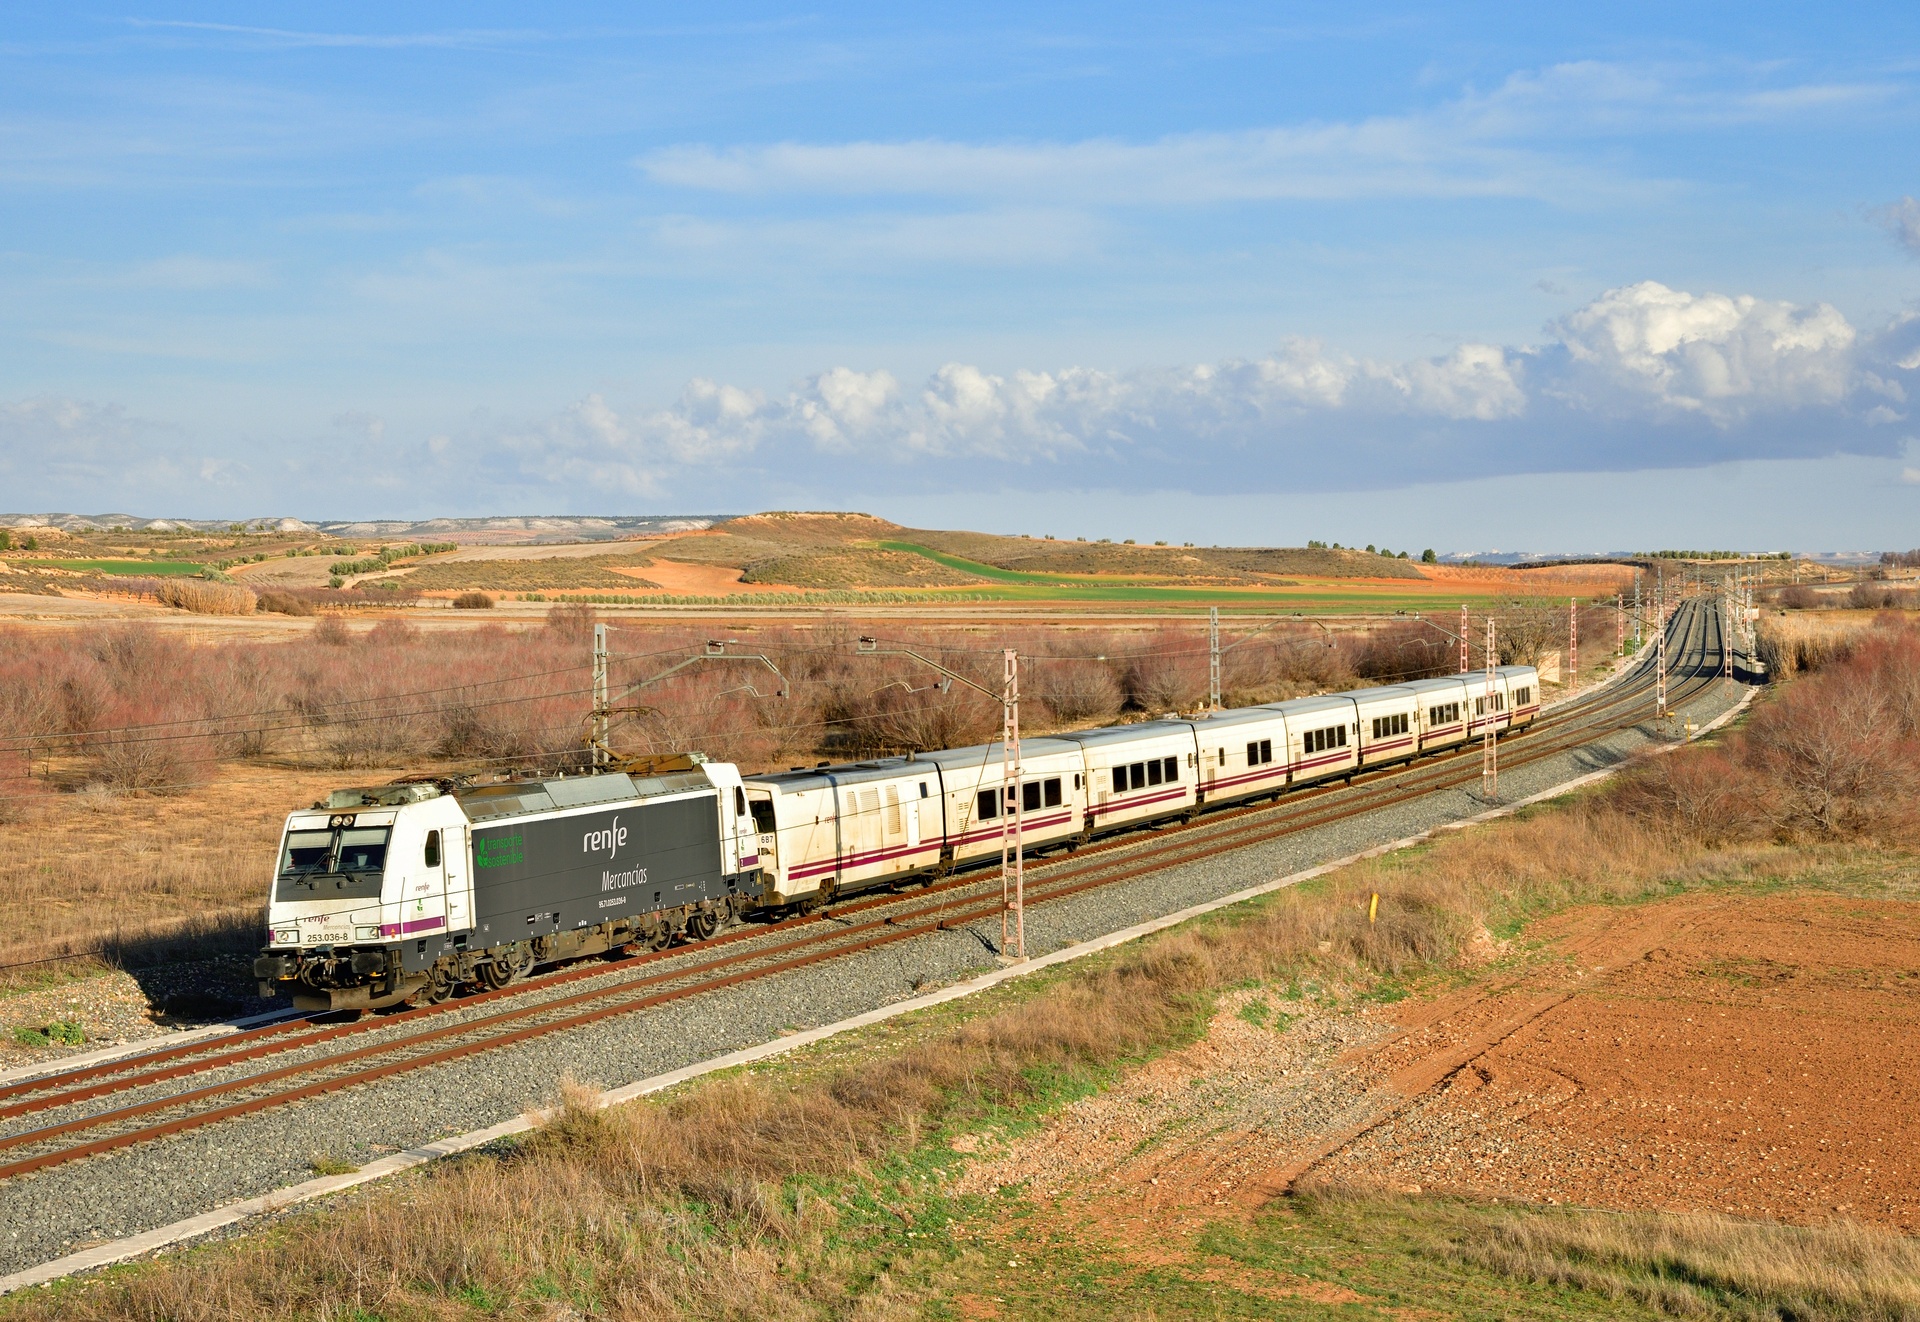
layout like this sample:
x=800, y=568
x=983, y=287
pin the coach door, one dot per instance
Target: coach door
x=451, y=846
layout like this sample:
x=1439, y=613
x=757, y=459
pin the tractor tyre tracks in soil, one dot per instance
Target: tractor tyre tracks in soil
x=1725, y=1051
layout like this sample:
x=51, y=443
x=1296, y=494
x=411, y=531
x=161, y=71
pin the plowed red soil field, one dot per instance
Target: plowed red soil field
x=1751, y=1055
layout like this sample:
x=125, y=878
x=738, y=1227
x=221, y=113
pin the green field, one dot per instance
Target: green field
x=152, y=568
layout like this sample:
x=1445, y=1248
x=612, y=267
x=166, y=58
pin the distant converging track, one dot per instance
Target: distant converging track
x=343, y=1053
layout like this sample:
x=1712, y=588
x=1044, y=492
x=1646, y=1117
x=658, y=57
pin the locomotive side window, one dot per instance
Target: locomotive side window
x=433, y=849
x=762, y=816
x=739, y=802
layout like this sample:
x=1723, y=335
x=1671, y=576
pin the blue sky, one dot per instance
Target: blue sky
x=1496, y=277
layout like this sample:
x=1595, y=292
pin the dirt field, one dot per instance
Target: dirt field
x=1755, y=1056
x=1752, y=1055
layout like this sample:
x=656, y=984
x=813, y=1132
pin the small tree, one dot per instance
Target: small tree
x=1427, y=557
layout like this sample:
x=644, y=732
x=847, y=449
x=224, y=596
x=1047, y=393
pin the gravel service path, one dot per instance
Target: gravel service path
x=56, y=1211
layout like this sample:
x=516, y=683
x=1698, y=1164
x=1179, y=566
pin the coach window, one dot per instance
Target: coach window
x=987, y=810
x=923, y=789
x=1153, y=772
x=1223, y=757
x=1052, y=788
x=1030, y=796
x=1119, y=780
x=433, y=849
x=1173, y=770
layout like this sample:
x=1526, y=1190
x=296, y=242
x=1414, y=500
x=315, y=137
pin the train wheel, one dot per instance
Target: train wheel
x=439, y=987
x=700, y=925
x=493, y=975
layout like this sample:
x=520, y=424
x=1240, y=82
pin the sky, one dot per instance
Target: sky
x=1502, y=277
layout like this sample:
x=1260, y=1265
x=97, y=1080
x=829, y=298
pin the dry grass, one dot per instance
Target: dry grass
x=1795, y=644
x=155, y=866
x=1681, y=1265
x=205, y=598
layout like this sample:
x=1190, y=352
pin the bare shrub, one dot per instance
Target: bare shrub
x=283, y=603
x=1402, y=652
x=473, y=601
x=1167, y=674
x=398, y=632
x=571, y=622
x=159, y=758
x=1075, y=690
x=204, y=598
x=1832, y=757
x=331, y=631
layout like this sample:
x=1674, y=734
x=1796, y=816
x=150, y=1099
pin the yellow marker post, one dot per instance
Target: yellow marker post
x=1373, y=907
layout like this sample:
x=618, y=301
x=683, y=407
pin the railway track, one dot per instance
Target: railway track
x=323, y=1054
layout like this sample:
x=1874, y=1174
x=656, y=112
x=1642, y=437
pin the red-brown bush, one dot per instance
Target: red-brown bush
x=1834, y=754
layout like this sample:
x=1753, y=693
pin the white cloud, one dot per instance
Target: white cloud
x=1480, y=144
x=57, y=452
x=1720, y=357
x=1375, y=158
x=1642, y=376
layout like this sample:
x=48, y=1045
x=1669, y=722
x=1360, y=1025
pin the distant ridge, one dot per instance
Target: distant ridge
x=519, y=528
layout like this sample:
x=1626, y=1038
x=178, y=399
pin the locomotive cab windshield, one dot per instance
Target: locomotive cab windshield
x=338, y=862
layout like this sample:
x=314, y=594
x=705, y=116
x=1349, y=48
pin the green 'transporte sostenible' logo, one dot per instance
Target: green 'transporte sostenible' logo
x=498, y=852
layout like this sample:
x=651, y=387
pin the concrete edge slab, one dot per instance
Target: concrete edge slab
x=134, y=1246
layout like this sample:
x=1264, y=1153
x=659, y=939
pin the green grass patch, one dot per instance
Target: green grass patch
x=146, y=568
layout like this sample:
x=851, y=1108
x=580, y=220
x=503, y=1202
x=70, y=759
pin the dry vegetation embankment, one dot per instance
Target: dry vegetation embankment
x=738, y=1197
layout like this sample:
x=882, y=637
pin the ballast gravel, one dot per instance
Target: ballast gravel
x=54, y=1212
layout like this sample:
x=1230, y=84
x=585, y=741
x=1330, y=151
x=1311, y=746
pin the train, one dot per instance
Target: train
x=412, y=892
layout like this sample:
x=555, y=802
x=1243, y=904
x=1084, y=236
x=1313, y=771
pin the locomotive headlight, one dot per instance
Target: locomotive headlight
x=366, y=934
x=286, y=936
